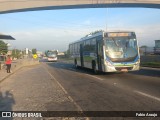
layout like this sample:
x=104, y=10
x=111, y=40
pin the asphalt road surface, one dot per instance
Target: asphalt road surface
x=58, y=86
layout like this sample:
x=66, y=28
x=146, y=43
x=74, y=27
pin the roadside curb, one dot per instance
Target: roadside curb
x=18, y=68
x=7, y=76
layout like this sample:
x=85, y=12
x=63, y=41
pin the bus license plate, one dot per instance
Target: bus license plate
x=124, y=70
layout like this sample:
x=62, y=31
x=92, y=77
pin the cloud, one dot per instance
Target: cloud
x=44, y=39
x=145, y=34
x=57, y=38
x=87, y=22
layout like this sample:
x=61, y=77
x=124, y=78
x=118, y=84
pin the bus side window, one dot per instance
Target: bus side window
x=93, y=45
x=101, y=49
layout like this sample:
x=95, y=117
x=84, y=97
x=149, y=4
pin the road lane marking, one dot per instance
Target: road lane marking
x=95, y=77
x=147, y=95
x=69, y=97
x=89, y=75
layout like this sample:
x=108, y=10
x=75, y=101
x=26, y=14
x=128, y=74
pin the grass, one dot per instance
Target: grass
x=151, y=64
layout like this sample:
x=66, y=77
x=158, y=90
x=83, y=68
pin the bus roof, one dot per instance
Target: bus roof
x=100, y=33
x=89, y=36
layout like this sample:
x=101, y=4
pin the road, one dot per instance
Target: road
x=59, y=86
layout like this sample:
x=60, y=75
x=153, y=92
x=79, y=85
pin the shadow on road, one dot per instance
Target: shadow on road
x=71, y=67
x=6, y=102
x=147, y=72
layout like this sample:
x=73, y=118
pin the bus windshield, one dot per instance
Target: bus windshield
x=51, y=54
x=120, y=49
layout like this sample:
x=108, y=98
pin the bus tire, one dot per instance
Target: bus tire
x=75, y=63
x=94, y=67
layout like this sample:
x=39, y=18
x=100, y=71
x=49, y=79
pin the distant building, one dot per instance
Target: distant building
x=157, y=47
x=9, y=52
x=26, y=50
x=157, y=43
x=61, y=53
x=146, y=50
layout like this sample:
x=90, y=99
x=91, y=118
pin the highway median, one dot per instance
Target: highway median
x=151, y=64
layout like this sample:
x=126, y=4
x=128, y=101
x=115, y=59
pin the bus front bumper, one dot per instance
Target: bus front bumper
x=135, y=67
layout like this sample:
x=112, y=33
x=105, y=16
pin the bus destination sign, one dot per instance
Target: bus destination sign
x=122, y=34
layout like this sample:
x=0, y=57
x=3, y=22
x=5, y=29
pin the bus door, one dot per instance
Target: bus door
x=81, y=55
x=99, y=54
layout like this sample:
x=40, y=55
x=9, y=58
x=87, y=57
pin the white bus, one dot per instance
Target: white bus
x=52, y=55
x=107, y=52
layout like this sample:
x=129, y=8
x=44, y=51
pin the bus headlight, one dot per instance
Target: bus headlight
x=108, y=63
x=138, y=62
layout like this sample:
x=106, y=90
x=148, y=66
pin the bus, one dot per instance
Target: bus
x=52, y=55
x=107, y=52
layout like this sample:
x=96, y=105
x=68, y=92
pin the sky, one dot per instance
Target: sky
x=55, y=29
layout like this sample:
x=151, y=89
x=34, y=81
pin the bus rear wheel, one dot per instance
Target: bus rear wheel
x=75, y=64
x=94, y=67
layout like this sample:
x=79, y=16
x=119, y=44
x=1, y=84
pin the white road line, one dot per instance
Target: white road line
x=88, y=75
x=94, y=77
x=69, y=97
x=147, y=95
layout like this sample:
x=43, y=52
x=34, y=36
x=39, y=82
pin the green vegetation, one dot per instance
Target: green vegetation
x=92, y=33
x=67, y=54
x=16, y=53
x=150, y=64
x=143, y=46
x=34, y=51
x=3, y=47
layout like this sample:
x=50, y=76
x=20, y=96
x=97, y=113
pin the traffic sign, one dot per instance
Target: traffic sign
x=34, y=56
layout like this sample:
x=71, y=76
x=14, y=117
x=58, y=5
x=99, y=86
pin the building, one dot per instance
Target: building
x=157, y=43
x=145, y=50
x=157, y=47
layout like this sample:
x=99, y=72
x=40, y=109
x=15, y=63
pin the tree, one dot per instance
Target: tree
x=67, y=53
x=3, y=47
x=144, y=46
x=34, y=51
x=16, y=53
x=92, y=33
